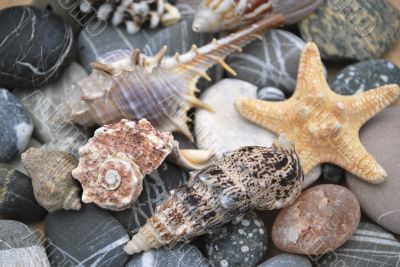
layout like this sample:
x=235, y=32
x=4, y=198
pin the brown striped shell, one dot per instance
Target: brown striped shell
x=220, y=15
x=113, y=163
x=240, y=181
x=130, y=85
x=52, y=181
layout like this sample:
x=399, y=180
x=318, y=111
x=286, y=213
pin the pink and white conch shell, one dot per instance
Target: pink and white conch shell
x=220, y=15
x=130, y=85
x=114, y=162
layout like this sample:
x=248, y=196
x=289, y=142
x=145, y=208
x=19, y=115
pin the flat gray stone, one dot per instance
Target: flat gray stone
x=287, y=260
x=381, y=202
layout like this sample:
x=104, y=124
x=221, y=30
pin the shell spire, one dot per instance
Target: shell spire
x=130, y=85
x=113, y=163
x=221, y=15
x=52, y=181
x=240, y=181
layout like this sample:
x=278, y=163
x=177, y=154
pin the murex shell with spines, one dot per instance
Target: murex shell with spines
x=130, y=85
x=247, y=178
x=113, y=163
x=221, y=15
x=53, y=185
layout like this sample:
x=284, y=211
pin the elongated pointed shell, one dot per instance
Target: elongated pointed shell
x=53, y=185
x=220, y=15
x=130, y=85
x=114, y=162
x=245, y=179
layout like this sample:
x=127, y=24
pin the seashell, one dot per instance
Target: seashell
x=132, y=86
x=247, y=178
x=220, y=15
x=113, y=162
x=53, y=185
x=134, y=14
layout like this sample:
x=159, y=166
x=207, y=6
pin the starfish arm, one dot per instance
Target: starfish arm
x=308, y=158
x=264, y=113
x=351, y=155
x=311, y=75
x=364, y=106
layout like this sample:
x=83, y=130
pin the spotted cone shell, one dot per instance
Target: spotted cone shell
x=113, y=163
x=52, y=182
x=248, y=178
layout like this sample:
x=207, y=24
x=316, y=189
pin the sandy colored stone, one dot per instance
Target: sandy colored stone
x=322, y=218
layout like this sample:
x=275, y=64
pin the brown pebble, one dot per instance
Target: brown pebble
x=322, y=219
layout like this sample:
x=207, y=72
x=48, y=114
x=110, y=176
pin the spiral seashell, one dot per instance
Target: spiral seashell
x=134, y=14
x=220, y=15
x=53, y=185
x=113, y=163
x=240, y=181
x=126, y=85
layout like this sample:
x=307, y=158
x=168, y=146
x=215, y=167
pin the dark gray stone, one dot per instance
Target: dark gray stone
x=240, y=243
x=356, y=29
x=370, y=246
x=332, y=173
x=380, y=138
x=156, y=187
x=366, y=75
x=21, y=246
x=36, y=45
x=179, y=256
x=88, y=237
x=94, y=43
x=270, y=62
x=17, y=201
x=270, y=94
x=287, y=260
x=15, y=126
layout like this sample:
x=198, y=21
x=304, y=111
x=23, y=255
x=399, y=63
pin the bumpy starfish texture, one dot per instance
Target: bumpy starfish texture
x=324, y=125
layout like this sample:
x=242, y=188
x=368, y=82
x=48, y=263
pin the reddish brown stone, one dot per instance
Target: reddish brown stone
x=321, y=220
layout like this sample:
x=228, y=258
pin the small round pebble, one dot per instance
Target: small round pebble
x=287, y=260
x=15, y=126
x=320, y=220
x=366, y=75
x=270, y=94
x=35, y=46
x=182, y=255
x=17, y=201
x=21, y=246
x=240, y=243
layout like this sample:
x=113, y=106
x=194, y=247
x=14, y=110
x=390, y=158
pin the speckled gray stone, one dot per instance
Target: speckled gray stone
x=356, y=29
x=179, y=256
x=17, y=201
x=15, y=126
x=35, y=46
x=381, y=202
x=21, y=246
x=156, y=187
x=271, y=61
x=287, y=260
x=239, y=243
x=361, y=77
x=370, y=246
x=88, y=237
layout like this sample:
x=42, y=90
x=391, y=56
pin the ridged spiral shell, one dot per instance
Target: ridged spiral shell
x=130, y=85
x=240, y=181
x=220, y=15
x=115, y=160
x=53, y=185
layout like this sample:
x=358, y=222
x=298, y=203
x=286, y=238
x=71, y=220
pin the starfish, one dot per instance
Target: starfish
x=324, y=125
